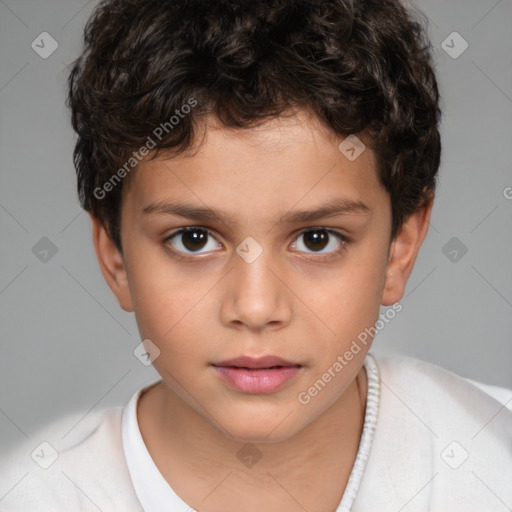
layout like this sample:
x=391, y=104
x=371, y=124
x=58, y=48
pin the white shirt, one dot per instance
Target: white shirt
x=440, y=444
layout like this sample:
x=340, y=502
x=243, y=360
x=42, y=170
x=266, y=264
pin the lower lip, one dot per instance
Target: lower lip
x=257, y=381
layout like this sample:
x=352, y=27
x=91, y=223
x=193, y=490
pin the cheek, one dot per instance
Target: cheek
x=350, y=299
x=160, y=296
x=172, y=310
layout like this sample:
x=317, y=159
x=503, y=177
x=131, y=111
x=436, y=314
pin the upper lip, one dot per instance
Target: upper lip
x=253, y=362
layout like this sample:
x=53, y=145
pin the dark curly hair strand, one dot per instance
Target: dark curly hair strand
x=362, y=67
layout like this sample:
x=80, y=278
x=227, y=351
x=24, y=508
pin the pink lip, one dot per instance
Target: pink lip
x=255, y=362
x=257, y=375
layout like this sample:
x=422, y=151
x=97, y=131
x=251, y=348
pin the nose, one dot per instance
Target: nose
x=256, y=296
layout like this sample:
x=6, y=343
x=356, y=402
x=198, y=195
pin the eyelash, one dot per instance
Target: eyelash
x=323, y=256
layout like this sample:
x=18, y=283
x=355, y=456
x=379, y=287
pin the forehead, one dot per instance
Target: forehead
x=287, y=161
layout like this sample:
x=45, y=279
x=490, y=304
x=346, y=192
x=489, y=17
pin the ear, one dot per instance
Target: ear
x=403, y=252
x=111, y=264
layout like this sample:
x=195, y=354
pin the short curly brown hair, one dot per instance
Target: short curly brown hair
x=361, y=66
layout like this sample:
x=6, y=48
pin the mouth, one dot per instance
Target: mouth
x=256, y=363
x=257, y=375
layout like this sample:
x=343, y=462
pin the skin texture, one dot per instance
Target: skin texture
x=303, y=305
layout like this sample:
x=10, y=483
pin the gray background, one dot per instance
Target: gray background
x=66, y=345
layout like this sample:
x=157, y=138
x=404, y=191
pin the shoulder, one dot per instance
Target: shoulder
x=434, y=388
x=439, y=433
x=75, y=463
x=399, y=367
x=445, y=402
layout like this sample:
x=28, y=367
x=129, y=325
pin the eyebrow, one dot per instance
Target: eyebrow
x=335, y=207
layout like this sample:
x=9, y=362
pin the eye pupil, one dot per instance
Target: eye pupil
x=194, y=239
x=317, y=239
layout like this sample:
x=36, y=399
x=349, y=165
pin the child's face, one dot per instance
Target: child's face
x=303, y=299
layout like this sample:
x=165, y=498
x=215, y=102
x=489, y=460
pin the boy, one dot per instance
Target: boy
x=260, y=177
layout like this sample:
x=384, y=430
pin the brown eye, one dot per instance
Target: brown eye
x=194, y=240
x=318, y=239
x=191, y=240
